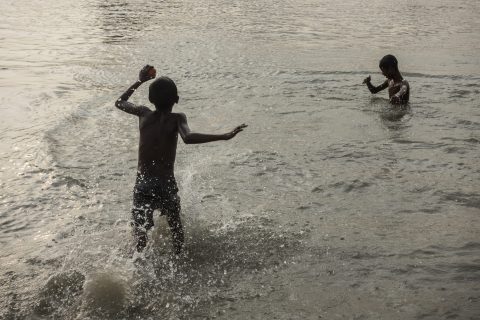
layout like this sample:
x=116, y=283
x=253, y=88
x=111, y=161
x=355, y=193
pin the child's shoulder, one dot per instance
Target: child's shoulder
x=393, y=83
x=179, y=115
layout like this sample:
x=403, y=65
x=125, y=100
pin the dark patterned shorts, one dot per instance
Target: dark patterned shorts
x=151, y=193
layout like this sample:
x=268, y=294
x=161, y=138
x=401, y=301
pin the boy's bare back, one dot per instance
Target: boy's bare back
x=159, y=129
x=158, y=144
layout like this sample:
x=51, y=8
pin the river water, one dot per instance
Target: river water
x=330, y=205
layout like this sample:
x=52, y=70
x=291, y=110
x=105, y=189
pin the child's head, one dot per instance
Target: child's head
x=388, y=65
x=163, y=93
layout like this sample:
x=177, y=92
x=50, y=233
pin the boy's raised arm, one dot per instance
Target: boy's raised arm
x=372, y=88
x=147, y=73
x=192, y=138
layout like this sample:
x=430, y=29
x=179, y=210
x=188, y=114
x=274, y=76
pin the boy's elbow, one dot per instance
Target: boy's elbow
x=187, y=140
x=119, y=103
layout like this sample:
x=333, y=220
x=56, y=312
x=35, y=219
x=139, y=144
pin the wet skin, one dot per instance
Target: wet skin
x=398, y=88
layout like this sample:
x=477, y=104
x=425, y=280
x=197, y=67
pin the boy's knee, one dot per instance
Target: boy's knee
x=138, y=216
x=142, y=218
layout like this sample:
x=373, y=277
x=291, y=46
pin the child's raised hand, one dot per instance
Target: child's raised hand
x=234, y=132
x=367, y=79
x=147, y=73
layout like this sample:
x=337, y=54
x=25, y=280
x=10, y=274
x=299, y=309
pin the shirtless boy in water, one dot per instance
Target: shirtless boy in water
x=155, y=186
x=398, y=88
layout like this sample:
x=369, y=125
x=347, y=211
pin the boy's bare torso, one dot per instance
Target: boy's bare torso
x=158, y=144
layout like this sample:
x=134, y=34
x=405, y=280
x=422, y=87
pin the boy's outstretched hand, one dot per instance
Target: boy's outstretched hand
x=234, y=132
x=367, y=79
x=147, y=73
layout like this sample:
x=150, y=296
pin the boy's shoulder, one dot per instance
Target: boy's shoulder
x=179, y=115
x=392, y=83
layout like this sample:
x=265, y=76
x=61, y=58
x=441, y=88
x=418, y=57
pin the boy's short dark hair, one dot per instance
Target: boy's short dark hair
x=388, y=61
x=163, y=91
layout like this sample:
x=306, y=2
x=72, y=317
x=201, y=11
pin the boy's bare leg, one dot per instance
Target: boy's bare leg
x=140, y=236
x=176, y=228
x=142, y=222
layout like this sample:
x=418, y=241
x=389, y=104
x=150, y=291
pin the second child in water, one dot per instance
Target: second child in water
x=398, y=88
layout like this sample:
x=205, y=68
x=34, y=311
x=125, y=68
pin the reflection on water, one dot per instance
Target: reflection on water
x=395, y=117
x=121, y=21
